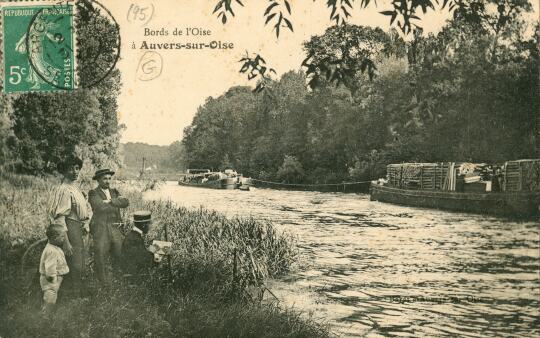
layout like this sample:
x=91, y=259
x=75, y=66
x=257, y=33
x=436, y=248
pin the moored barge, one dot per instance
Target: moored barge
x=204, y=178
x=510, y=190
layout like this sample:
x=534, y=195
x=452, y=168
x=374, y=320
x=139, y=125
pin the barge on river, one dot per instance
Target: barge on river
x=204, y=178
x=510, y=190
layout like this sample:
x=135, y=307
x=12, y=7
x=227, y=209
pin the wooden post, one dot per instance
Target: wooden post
x=504, y=179
x=434, y=179
x=169, y=255
x=143, y=168
x=401, y=177
x=441, y=168
x=421, y=177
x=520, y=176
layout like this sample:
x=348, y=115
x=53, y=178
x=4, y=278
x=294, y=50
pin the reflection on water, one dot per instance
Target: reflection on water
x=374, y=269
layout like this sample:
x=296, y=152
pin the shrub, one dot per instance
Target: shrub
x=291, y=170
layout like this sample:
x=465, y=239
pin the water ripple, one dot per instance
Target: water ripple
x=378, y=270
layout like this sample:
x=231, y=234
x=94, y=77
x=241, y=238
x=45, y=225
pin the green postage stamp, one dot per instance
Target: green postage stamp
x=38, y=46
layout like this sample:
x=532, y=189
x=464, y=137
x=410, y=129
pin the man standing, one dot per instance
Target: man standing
x=105, y=224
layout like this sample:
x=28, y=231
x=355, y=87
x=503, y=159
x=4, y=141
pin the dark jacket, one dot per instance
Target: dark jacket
x=136, y=259
x=105, y=213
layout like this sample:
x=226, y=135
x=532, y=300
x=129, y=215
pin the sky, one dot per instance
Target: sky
x=155, y=109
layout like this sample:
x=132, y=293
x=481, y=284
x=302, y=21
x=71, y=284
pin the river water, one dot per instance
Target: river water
x=380, y=270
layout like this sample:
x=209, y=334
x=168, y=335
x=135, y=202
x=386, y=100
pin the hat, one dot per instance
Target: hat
x=142, y=216
x=102, y=172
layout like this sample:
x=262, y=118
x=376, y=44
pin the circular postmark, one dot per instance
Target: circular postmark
x=49, y=47
x=54, y=55
x=150, y=66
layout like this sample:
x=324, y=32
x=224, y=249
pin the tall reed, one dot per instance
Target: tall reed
x=212, y=250
x=226, y=253
x=213, y=258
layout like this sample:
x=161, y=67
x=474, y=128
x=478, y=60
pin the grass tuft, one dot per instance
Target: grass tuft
x=215, y=265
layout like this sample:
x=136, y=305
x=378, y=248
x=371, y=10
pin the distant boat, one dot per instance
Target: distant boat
x=204, y=178
x=245, y=187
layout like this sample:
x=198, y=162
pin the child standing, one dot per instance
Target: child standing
x=52, y=268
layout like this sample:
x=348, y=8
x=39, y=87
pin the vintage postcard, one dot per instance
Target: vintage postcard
x=278, y=168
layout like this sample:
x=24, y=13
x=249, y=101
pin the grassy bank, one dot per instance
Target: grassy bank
x=214, y=287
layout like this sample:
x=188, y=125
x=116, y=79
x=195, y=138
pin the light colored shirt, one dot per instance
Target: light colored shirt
x=66, y=201
x=107, y=193
x=137, y=230
x=53, y=261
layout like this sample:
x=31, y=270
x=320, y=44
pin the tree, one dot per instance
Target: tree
x=177, y=156
x=48, y=127
x=345, y=51
x=291, y=170
x=491, y=15
x=472, y=105
x=6, y=129
x=446, y=99
x=219, y=129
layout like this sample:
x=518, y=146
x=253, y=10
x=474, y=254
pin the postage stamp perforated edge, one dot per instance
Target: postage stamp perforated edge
x=74, y=36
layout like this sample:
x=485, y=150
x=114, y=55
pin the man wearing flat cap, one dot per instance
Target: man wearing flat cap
x=136, y=259
x=105, y=225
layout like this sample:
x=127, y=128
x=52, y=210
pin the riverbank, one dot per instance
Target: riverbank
x=215, y=287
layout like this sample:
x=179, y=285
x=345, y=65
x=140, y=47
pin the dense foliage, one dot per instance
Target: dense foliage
x=39, y=130
x=491, y=16
x=469, y=93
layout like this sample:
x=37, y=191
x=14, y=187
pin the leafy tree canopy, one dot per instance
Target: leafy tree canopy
x=491, y=16
x=464, y=94
x=40, y=130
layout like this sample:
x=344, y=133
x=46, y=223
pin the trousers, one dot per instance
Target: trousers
x=50, y=289
x=107, y=244
x=76, y=262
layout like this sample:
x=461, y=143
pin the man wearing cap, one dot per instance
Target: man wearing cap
x=136, y=260
x=106, y=203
